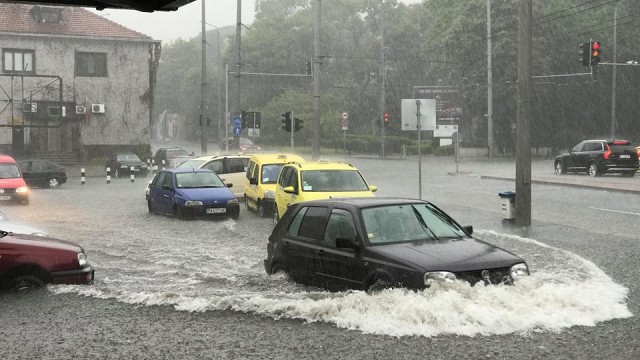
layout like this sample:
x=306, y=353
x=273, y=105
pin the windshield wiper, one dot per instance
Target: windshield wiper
x=423, y=223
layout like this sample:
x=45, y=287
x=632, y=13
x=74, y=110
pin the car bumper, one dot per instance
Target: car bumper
x=267, y=266
x=210, y=212
x=14, y=197
x=74, y=277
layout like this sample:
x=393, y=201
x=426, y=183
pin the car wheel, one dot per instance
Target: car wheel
x=54, y=183
x=378, y=285
x=275, y=268
x=593, y=170
x=246, y=202
x=559, y=167
x=24, y=282
x=260, y=209
x=178, y=212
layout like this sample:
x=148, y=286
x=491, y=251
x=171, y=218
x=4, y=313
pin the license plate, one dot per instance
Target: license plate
x=216, y=211
x=626, y=156
x=5, y=197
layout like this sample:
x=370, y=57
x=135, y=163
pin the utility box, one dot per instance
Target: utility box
x=508, y=204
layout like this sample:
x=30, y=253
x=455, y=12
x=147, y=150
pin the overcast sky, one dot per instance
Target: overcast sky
x=185, y=22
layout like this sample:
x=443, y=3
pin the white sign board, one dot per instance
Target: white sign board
x=445, y=131
x=345, y=121
x=253, y=132
x=409, y=109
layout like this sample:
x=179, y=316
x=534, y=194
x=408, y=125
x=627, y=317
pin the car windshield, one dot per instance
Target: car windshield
x=128, y=157
x=9, y=171
x=408, y=223
x=192, y=164
x=198, y=180
x=333, y=180
x=270, y=173
x=245, y=141
x=173, y=153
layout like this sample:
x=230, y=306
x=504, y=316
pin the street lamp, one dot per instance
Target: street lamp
x=615, y=66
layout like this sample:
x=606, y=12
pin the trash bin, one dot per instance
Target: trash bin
x=508, y=204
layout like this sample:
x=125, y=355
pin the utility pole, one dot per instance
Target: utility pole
x=615, y=61
x=523, y=125
x=226, y=108
x=203, y=90
x=315, y=127
x=490, y=141
x=382, y=80
x=239, y=59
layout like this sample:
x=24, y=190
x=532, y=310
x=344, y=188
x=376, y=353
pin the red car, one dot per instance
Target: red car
x=12, y=185
x=29, y=261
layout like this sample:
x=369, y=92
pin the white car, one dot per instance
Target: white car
x=232, y=169
x=16, y=228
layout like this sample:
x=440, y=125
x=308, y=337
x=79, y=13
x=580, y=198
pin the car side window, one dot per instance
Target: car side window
x=157, y=181
x=578, y=147
x=235, y=166
x=340, y=225
x=216, y=166
x=38, y=166
x=311, y=224
x=292, y=179
x=282, y=180
x=294, y=227
x=168, y=180
x=250, y=169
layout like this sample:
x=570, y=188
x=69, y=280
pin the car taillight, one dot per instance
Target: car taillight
x=607, y=152
x=638, y=152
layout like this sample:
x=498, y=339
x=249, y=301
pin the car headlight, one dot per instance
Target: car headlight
x=193, y=203
x=269, y=194
x=22, y=189
x=438, y=276
x=232, y=202
x=82, y=259
x=519, y=270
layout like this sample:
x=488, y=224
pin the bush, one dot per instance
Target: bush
x=446, y=150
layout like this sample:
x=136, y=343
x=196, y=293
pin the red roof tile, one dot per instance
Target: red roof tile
x=18, y=18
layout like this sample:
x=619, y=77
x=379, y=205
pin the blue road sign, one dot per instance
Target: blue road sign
x=237, y=121
x=237, y=131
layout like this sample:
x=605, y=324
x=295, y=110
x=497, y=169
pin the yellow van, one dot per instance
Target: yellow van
x=260, y=182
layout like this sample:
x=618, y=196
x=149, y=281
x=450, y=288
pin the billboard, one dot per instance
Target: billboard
x=448, y=106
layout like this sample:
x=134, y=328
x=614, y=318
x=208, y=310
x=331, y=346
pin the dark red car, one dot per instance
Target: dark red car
x=29, y=261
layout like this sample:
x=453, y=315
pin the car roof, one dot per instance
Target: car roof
x=220, y=156
x=365, y=202
x=6, y=159
x=325, y=165
x=276, y=158
x=187, y=170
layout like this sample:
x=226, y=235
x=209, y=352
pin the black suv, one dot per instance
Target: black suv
x=172, y=156
x=597, y=157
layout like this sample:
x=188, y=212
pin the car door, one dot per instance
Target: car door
x=235, y=171
x=281, y=196
x=289, y=198
x=302, y=241
x=40, y=173
x=338, y=268
x=590, y=151
x=251, y=191
x=572, y=160
x=161, y=197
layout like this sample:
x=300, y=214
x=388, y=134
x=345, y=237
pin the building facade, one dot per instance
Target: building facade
x=73, y=82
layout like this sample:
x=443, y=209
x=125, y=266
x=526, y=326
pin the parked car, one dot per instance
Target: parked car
x=305, y=181
x=230, y=168
x=638, y=152
x=172, y=156
x=30, y=261
x=120, y=164
x=42, y=173
x=598, y=157
x=13, y=227
x=245, y=145
x=189, y=193
x=261, y=178
x=376, y=243
x=13, y=188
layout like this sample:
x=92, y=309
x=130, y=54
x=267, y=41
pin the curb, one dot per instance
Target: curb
x=548, y=182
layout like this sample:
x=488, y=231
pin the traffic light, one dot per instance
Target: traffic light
x=585, y=53
x=595, y=53
x=298, y=124
x=307, y=67
x=386, y=119
x=286, y=121
x=245, y=119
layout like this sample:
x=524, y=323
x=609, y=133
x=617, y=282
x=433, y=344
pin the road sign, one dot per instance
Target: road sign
x=237, y=130
x=345, y=121
x=409, y=109
x=237, y=121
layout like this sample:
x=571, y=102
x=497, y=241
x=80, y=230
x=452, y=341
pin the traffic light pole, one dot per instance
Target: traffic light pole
x=292, y=130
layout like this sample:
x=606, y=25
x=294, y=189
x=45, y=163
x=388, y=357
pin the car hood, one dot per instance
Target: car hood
x=19, y=228
x=208, y=196
x=25, y=240
x=12, y=183
x=449, y=255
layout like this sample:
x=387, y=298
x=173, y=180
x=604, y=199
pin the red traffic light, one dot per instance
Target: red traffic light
x=595, y=45
x=386, y=117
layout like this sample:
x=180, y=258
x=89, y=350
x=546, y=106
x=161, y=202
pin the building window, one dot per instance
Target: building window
x=18, y=60
x=91, y=64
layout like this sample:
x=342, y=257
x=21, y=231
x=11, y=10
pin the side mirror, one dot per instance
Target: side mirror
x=229, y=185
x=373, y=188
x=289, y=190
x=253, y=181
x=468, y=230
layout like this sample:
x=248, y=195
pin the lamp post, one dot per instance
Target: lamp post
x=615, y=60
x=219, y=66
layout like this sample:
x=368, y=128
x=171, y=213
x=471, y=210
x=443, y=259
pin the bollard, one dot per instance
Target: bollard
x=108, y=175
x=149, y=168
x=82, y=178
x=404, y=151
x=162, y=164
x=133, y=175
x=153, y=165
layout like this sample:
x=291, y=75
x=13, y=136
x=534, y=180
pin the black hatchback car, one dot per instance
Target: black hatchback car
x=126, y=163
x=375, y=243
x=598, y=157
x=42, y=173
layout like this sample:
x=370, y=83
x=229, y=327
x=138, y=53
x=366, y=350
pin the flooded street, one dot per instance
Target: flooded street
x=211, y=271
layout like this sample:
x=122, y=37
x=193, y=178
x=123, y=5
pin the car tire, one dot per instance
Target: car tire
x=178, y=212
x=593, y=170
x=24, y=282
x=379, y=285
x=275, y=268
x=260, y=209
x=559, y=168
x=54, y=183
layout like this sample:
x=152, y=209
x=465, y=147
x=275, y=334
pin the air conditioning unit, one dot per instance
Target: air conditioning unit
x=97, y=108
x=29, y=107
x=81, y=109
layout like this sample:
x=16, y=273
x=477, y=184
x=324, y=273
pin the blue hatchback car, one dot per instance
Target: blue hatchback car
x=191, y=193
